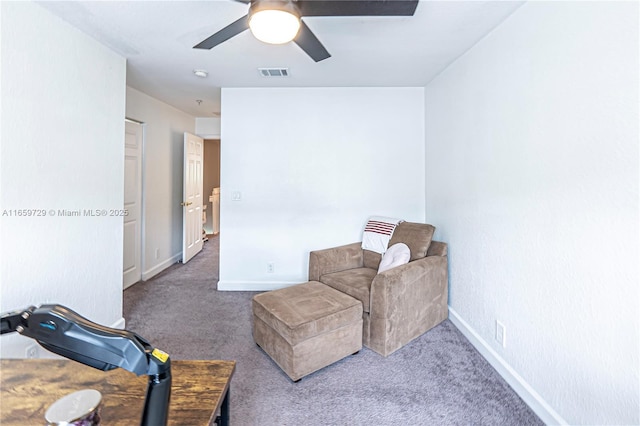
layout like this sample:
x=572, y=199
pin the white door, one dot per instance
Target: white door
x=192, y=197
x=132, y=271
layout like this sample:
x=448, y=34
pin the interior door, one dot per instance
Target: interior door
x=192, y=197
x=132, y=270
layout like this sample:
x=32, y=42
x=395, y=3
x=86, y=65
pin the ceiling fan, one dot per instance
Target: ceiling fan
x=288, y=26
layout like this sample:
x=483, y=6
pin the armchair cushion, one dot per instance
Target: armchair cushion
x=354, y=282
x=416, y=235
x=371, y=259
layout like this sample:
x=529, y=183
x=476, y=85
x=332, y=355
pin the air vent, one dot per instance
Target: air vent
x=274, y=72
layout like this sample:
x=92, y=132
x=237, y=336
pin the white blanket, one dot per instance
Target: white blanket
x=378, y=232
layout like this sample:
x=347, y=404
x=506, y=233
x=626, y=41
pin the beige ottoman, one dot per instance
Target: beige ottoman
x=307, y=327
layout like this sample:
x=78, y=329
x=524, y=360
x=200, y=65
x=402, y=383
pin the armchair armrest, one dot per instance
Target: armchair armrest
x=334, y=260
x=406, y=301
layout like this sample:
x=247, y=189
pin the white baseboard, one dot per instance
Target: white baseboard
x=150, y=273
x=254, y=285
x=539, y=406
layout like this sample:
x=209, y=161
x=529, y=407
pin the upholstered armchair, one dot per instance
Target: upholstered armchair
x=399, y=304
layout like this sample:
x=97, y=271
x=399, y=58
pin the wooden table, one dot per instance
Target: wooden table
x=28, y=387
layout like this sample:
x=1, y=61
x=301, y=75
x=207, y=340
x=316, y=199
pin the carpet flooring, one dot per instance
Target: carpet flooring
x=438, y=379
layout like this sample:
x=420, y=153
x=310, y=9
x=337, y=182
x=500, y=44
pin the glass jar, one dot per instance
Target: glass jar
x=80, y=408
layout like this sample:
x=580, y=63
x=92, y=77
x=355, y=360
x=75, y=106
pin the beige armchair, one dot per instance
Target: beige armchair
x=399, y=304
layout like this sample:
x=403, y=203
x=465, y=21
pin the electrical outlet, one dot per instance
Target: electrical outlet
x=501, y=334
x=31, y=351
x=271, y=267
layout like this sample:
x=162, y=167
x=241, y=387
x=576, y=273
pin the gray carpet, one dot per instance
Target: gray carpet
x=438, y=379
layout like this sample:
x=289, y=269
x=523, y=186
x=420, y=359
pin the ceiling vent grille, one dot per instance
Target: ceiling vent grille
x=274, y=72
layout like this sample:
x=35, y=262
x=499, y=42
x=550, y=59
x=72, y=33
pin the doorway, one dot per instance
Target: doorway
x=211, y=184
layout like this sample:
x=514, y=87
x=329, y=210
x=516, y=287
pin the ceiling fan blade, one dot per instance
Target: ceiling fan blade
x=310, y=43
x=224, y=34
x=357, y=7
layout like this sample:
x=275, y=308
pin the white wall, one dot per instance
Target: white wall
x=532, y=177
x=164, y=128
x=62, y=132
x=311, y=166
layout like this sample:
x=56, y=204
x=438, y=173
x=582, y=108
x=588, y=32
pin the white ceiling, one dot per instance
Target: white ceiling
x=157, y=39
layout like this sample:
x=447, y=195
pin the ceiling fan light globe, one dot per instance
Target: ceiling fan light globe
x=274, y=26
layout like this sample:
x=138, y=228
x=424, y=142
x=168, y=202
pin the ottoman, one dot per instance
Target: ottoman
x=306, y=327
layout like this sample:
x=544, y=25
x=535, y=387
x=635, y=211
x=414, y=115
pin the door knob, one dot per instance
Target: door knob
x=184, y=204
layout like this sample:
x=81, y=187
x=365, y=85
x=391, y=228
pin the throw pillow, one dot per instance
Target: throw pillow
x=416, y=235
x=396, y=255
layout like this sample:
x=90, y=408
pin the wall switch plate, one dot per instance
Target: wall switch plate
x=501, y=334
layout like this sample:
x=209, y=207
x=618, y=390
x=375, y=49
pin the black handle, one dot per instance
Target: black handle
x=156, y=404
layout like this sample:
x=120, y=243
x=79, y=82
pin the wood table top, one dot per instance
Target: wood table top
x=29, y=386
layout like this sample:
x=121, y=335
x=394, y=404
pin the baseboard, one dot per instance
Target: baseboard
x=150, y=273
x=254, y=285
x=120, y=324
x=539, y=406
